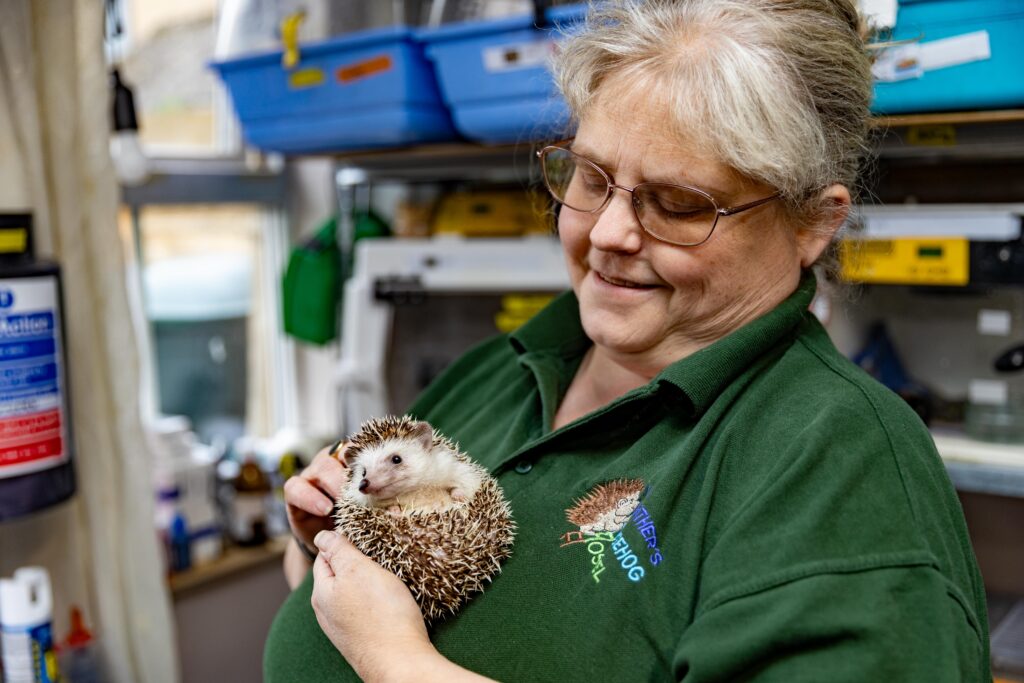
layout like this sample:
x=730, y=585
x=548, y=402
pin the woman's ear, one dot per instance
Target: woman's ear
x=813, y=240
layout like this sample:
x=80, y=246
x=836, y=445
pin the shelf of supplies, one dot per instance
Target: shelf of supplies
x=436, y=163
x=981, y=467
x=973, y=136
x=234, y=561
x=997, y=134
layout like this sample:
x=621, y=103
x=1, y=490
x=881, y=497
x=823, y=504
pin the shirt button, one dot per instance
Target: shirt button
x=524, y=466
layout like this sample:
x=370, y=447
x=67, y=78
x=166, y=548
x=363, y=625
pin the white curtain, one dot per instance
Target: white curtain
x=101, y=547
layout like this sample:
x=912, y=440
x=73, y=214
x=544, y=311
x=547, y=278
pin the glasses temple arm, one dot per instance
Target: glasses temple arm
x=743, y=207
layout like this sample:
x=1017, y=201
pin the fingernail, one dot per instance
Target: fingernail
x=325, y=540
x=325, y=508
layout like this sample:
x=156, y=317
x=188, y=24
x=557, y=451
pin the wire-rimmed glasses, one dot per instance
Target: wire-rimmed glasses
x=677, y=214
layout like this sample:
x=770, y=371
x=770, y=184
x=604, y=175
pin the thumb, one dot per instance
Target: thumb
x=322, y=569
x=335, y=549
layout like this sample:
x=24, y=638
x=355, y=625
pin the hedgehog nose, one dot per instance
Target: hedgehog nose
x=363, y=485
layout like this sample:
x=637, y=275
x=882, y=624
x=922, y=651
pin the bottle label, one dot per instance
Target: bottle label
x=28, y=655
x=33, y=429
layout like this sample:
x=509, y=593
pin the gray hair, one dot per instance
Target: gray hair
x=778, y=90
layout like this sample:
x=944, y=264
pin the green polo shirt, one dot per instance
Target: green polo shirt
x=762, y=509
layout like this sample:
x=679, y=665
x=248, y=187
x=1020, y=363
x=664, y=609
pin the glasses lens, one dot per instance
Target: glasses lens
x=674, y=214
x=573, y=180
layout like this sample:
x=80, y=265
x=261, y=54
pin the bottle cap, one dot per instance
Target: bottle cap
x=80, y=636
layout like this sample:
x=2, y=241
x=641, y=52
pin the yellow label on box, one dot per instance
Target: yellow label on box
x=13, y=240
x=306, y=78
x=907, y=261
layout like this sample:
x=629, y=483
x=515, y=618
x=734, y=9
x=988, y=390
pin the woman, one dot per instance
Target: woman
x=706, y=490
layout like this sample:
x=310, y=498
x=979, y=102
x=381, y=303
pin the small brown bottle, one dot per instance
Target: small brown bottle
x=252, y=496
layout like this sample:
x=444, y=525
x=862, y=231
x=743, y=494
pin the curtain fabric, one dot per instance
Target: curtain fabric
x=101, y=548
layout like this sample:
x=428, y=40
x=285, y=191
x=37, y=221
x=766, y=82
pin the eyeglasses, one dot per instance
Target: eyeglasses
x=677, y=214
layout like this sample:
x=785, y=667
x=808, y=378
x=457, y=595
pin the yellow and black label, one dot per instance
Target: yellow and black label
x=932, y=135
x=907, y=261
x=13, y=240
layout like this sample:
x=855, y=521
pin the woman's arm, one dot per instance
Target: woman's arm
x=373, y=620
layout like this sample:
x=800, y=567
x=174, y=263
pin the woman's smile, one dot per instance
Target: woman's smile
x=605, y=279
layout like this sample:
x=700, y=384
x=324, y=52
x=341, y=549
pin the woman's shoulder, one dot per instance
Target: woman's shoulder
x=837, y=469
x=828, y=387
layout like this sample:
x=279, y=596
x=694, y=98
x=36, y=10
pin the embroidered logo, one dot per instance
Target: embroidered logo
x=601, y=515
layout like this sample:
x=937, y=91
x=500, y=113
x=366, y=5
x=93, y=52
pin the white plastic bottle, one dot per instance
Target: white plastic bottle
x=26, y=627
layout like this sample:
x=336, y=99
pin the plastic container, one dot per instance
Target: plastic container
x=494, y=75
x=36, y=468
x=963, y=54
x=367, y=89
x=26, y=629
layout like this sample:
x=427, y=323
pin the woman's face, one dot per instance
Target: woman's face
x=654, y=302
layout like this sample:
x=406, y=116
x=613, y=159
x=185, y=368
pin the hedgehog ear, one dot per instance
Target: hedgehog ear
x=424, y=434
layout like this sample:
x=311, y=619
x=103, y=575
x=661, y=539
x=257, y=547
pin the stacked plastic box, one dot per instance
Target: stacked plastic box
x=495, y=78
x=363, y=90
x=960, y=55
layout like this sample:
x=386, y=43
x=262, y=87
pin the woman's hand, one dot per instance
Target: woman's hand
x=309, y=496
x=367, y=612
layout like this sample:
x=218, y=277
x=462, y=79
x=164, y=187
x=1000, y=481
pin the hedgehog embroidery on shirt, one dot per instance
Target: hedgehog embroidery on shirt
x=607, y=507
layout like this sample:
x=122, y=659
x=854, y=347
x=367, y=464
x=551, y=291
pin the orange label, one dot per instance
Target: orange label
x=367, y=67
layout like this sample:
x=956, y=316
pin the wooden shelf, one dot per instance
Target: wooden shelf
x=948, y=118
x=234, y=561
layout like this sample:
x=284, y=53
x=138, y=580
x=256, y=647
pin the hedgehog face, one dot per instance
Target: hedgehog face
x=389, y=469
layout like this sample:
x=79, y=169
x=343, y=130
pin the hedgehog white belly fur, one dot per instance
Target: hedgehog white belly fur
x=442, y=525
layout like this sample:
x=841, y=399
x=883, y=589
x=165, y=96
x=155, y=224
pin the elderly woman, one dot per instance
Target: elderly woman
x=706, y=490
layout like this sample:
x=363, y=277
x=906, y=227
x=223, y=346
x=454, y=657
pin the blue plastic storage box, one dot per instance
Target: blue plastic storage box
x=363, y=90
x=494, y=75
x=973, y=83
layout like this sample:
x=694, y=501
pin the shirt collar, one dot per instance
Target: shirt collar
x=701, y=376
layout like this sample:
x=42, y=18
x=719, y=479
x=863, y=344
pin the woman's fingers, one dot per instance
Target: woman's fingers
x=316, y=488
x=301, y=494
x=327, y=473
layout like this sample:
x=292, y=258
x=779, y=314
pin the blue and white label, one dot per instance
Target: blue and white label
x=28, y=654
x=32, y=410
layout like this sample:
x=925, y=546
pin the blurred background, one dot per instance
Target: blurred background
x=238, y=228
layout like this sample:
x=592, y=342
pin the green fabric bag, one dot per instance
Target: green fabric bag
x=312, y=287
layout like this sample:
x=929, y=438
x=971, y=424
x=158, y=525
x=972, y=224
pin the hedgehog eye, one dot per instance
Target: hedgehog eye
x=396, y=459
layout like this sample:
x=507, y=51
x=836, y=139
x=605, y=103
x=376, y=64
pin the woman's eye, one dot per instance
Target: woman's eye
x=396, y=459
x=593, y=182
x=681, y=211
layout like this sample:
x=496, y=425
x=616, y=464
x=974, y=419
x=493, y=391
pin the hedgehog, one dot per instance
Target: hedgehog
x=423, y=510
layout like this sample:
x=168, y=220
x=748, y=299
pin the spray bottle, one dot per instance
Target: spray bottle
x=26, y=629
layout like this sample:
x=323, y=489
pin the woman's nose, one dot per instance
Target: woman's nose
x=616, y=228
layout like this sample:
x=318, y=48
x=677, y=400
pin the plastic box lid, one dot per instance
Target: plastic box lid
x=356, y=39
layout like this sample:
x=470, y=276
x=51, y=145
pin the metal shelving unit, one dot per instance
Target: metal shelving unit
x=924, y=140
